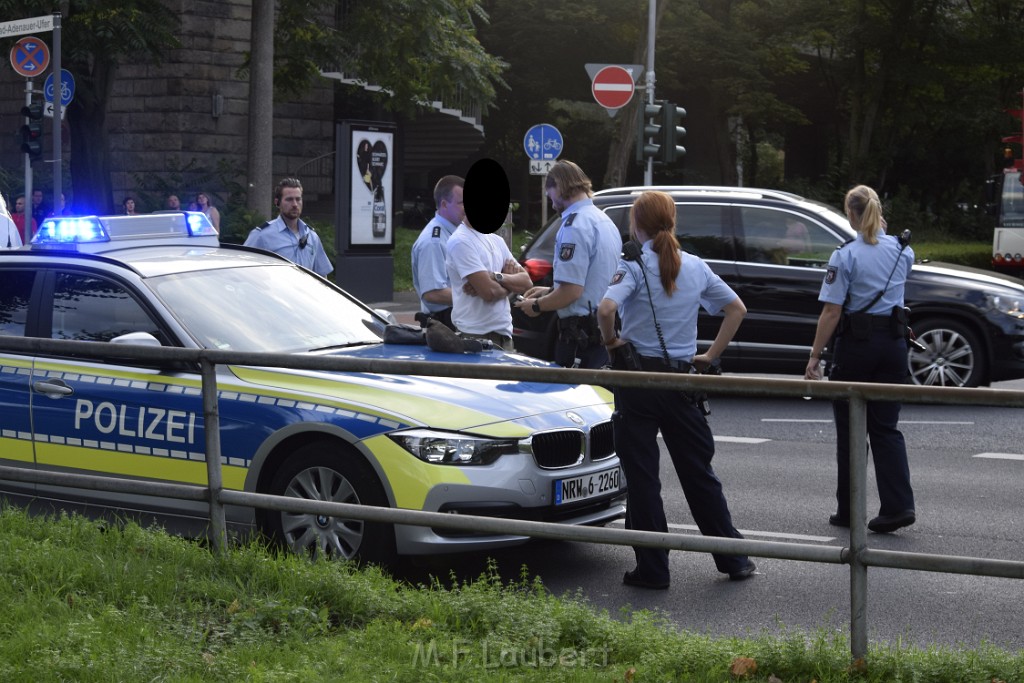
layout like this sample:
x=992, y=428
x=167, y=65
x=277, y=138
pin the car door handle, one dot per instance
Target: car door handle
x=54, y=388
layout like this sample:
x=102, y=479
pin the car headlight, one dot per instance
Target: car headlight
x=450, y=448
x=1008, y=305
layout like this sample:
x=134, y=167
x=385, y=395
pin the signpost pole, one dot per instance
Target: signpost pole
x=58, y=100
x=29, y=233
x=651, y=27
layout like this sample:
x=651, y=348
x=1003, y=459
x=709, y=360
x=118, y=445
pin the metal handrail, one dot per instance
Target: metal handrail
x=859, y=556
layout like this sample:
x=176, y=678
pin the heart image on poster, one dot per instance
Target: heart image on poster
x=371, y=161
x=364, y=154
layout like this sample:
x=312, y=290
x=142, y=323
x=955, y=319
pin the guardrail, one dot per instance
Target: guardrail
x=858, y=555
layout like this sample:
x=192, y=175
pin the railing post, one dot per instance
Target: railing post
x=214, y=478
x=858, y=529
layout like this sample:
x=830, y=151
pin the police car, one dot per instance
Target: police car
x=507, y=449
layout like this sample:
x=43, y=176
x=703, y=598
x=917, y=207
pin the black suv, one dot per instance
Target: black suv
x=970, y=320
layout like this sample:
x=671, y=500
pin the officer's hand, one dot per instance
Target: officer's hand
x=525, y=304
x=535, y=292
x=813, y=370
x=701, y=362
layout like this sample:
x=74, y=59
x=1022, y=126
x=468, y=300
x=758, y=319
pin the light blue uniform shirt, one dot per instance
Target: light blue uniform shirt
x=276, y=237
x=428, y=260
x=857, y=271
x=696, y=286
x=587, y=248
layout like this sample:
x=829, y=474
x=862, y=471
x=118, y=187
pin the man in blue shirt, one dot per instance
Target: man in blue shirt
x=429, y=273
x=287, y=235
x=587, y=250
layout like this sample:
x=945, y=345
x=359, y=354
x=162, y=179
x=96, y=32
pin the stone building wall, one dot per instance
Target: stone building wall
x=192, y=108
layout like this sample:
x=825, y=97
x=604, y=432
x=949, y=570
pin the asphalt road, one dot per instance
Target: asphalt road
x=776, y=461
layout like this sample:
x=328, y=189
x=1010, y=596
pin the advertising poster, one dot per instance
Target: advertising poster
x=371, y=181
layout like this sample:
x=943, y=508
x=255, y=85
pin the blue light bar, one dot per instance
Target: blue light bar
x=199, y=224
x=69, y=231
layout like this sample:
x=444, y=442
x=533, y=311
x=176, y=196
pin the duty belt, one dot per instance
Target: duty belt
x=661, y=365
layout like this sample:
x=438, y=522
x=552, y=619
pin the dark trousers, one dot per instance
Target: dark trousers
x=639, y=415
x=592, y=356
x=880, y=358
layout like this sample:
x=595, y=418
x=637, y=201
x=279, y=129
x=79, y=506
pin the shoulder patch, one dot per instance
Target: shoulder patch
x=436, y=232
x=566, y=252
x=569, y=220
x=830, y=275
x=617, y=278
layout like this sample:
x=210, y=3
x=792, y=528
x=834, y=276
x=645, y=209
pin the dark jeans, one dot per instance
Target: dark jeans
x=639, y=415
x=880, y=358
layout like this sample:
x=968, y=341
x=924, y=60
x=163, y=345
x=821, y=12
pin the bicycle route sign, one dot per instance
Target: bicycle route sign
x=543, y=142
x=67, y=88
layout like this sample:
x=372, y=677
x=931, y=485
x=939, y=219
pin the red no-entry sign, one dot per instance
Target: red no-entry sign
x=613, y=87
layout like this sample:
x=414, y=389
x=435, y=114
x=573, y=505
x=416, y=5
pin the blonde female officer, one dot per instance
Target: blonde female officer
x=863, y=289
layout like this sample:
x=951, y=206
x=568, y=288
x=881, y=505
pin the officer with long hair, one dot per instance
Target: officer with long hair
x=863, y=307
x=657, y=293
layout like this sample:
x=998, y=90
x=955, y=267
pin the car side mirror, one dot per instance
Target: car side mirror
x=137, y=338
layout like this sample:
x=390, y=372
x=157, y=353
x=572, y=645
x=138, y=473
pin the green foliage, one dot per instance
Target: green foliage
x=90, y=601
x=418, y=50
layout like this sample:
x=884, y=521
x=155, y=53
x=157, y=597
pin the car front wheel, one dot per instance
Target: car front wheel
x=953, y=355
x=325, y=472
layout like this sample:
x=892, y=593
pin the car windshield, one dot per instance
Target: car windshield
x=273, y=309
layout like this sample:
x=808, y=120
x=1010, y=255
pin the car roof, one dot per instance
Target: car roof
x=705, y=190
x=150, y=244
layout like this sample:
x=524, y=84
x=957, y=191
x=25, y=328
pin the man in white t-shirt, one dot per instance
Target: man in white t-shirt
x=483, y=272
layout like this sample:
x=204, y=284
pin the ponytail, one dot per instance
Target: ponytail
x=864, y=209
x=654, y=214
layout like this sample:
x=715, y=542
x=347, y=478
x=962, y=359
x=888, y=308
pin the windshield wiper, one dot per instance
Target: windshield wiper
x=332, y=347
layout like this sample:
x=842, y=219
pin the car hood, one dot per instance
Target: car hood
x=982, y=278
x=443, y=402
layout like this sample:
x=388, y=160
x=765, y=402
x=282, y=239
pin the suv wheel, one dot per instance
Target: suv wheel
x=954, y=355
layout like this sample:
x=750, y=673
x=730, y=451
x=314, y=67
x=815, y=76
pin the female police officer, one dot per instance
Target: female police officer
x=863, y=306
x=657, y=293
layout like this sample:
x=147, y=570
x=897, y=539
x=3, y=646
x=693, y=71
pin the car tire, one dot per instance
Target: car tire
x=954, y=355
x=326, y=472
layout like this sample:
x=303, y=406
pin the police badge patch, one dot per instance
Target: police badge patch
x=830, y=275
x=566, y=252
x=617, y=278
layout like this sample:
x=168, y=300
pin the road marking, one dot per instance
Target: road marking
x=934, y=422
x=739, y=439
x=1000, y=456
x=786, y=419
x=748, y=532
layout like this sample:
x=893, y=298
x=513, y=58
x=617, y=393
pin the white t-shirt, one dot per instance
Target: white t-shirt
x=10, y=238
x=471, y=252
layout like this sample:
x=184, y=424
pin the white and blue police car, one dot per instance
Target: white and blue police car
x=508, y=449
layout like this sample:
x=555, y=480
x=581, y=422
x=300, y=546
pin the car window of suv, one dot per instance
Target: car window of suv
x=785, y=238
x=700, y=229
x=15, y=291
x=90, y=308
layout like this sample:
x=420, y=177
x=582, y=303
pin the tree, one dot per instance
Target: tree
x=97, y=35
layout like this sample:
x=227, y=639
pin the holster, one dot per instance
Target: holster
x=579, y=330
x=625, y=357
x=899, y=322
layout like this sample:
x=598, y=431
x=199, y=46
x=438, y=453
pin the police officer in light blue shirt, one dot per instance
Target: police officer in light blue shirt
x=287, y=235
x=863, y=308
x=429, y=272
x=587, y=248
x=657, y=293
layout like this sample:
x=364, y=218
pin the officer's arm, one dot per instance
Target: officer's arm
x=606, y=311
x=827, y=323
x=734, y=312
x=560, y=296
x=439, y=296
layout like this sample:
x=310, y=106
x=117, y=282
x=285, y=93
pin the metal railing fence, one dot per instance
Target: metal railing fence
x=858, y=555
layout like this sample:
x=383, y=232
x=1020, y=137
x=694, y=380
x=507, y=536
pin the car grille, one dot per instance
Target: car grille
x=564, y=448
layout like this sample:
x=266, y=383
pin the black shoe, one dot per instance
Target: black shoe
x=884, y=524
x=633, y=578
x=839, y=520
x=743, y=574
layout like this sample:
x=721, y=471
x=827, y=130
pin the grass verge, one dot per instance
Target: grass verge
x=87, y=601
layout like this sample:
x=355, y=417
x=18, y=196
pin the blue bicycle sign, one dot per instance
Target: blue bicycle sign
x=542, y=142
x=67, y=88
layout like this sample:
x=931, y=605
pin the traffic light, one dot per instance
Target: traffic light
x=648, y=132
x=672, y=133
x=32, y=131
